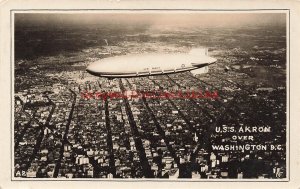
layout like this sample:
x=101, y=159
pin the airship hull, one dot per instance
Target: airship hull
x=148, y=64
x=141, y=74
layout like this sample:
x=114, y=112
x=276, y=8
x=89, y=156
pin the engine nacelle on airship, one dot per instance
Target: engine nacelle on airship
x=137, y=65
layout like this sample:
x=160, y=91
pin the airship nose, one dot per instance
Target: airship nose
x=92, y=69
x=89, y=68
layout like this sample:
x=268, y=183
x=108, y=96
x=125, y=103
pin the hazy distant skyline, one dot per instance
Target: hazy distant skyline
x=39, y=34
x=188, y=19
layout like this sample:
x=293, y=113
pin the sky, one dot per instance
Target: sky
x=188, y=19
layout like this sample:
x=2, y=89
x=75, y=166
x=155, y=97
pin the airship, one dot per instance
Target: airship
x=148, y=64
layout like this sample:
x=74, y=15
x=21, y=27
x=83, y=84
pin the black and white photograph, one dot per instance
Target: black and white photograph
x=157, y=95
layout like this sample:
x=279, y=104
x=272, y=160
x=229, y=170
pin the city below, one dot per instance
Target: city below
x=60, y=134
x=71, y=124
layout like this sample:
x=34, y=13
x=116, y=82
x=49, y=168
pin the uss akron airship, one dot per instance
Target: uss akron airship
x=137, y=65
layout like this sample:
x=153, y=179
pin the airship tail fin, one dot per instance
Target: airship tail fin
x=199, y=52
x=200, y=71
